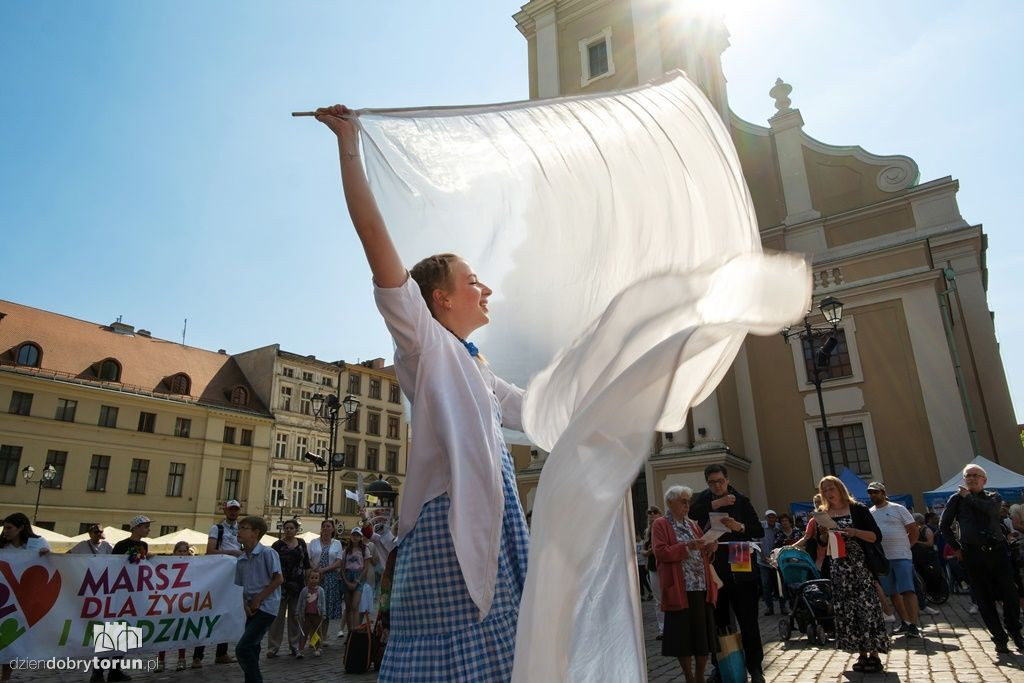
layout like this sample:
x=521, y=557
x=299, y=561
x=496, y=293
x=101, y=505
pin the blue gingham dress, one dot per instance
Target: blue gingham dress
x=436, y=634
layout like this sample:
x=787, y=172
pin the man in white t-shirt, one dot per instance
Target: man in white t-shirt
x=223, y=540
x=899, y=533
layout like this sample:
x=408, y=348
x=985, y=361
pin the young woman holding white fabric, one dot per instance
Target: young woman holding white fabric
x=463, y=537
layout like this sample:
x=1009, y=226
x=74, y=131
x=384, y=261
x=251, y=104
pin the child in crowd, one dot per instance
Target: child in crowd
x=258, y=572
x=313, y=607
x=181, y=549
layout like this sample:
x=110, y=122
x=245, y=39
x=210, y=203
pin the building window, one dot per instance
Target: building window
x=355, y=383
x=277, y=497
x=327, y=381
x=98, y=469
x=371, y=458
x=28, y=354
x=182, y=427
x=849, y=448
x=181, y=384
x=307, y=376
x=304, y=402
x=239, y=396
x=349, y=506
x=139, y=475
x=319, y=494
x=232, y=484
x=229, y=437
x=110, y=370
x=246, y=439
x=352, y=423
x=21, y=403
x=297, y=491
x=65, y=410
x=838, y=363
x=321, y=448
x=393, y=427
x=286, y=398
x=108, y=416
x=10, y=458
x=301, y=446
x=351, y=455
x=394, y=393
x=49, y=526
x=175, y=479
x=281, y=448
x=59, y=460
x=596, y=57
x=374, y=388
x=392, y=461
x=288, y=372
x=373, y=423
x=83, y=527
x=168, y=529
x=147, y=422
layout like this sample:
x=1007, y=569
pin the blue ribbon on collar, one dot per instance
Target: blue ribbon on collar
x=471, y=347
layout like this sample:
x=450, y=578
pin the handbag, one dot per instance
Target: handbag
x=875, y=559
x=731, y=664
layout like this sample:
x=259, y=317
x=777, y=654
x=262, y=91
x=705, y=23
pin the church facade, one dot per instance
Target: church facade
x=914, y=386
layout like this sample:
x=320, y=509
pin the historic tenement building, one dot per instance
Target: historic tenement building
x=130, y=423
x=372, y=443
x=134, y=424
x=915, y=386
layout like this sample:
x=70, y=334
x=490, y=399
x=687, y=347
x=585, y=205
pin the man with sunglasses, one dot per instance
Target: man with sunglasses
x=739, y=591
x=982, y=549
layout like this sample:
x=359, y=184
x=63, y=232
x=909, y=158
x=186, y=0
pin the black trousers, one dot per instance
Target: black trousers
x=990, y=573
x=742, y=598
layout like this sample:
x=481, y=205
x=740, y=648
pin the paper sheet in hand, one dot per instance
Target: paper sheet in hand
x=824, y=521
x=717, y=523
x=712, y=535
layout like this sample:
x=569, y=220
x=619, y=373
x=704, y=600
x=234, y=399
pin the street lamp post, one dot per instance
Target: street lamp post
x=832, y=309
x=326, y=409
x=281, y=499
x=48, y=474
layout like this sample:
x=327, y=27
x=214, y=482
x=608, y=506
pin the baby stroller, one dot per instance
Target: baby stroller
x=811, y=597
x=930, y=575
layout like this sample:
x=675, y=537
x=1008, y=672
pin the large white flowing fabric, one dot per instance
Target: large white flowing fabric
x=620, y=240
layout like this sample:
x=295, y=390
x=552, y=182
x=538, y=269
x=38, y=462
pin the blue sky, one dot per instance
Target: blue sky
x=149, y=166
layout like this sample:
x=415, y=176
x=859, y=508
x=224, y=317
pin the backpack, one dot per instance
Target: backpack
x=359, y=649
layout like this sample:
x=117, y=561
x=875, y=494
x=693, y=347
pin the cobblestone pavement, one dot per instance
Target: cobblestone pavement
x=955, y=648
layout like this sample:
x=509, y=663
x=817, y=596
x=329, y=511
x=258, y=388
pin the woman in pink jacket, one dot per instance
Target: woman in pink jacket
x=688, y=591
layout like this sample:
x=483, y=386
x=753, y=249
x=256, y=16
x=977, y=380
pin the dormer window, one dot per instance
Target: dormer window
x=110, y=370
x=180, y=384
x=239, y=396
x=28, y=354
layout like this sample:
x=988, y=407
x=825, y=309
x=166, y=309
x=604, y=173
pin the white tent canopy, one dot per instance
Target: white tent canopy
x=1009, y=484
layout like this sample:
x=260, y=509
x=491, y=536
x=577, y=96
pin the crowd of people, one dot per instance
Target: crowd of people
x=290, y=585
x=871, y=555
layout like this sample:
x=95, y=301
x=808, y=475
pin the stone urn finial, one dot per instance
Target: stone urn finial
x=780, y=93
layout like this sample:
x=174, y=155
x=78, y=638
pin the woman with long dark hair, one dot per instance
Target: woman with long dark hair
x=18, y=535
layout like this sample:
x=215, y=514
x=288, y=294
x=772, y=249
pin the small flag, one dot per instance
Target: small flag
x=351, y=495
x=372, y=500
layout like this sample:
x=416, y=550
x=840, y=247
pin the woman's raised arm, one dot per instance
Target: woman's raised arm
x=386, y=266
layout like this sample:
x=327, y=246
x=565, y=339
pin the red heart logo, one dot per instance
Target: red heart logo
x=36, y=590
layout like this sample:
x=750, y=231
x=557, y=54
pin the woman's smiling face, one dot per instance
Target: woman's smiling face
x=463, y=307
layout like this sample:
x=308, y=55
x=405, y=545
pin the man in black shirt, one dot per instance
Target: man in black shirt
x=985, y=554
x=740, y=590
x=140, y=529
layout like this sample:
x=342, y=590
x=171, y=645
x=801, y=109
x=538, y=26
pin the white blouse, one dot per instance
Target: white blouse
x=455, y=448
x=314, y=548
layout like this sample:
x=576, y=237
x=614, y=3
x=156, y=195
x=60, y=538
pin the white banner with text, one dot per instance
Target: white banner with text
x=77, y=606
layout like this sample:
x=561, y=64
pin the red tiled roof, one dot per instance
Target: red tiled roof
x=73, y=349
